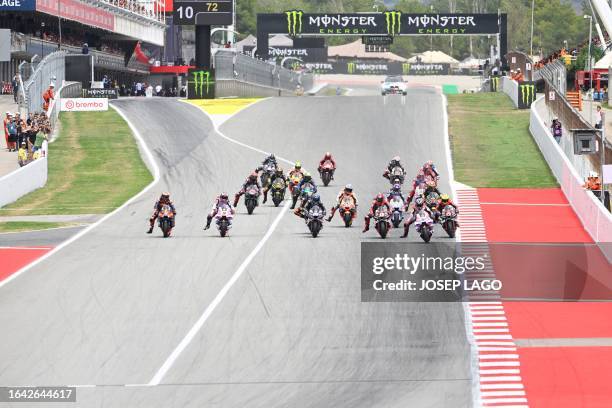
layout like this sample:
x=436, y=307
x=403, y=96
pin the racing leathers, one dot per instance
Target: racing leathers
x=251, y=180
x=219, y=202
x=343, y=196
x=414, y=209
x=327, y=158
x=375, y=206
x=303, y=210
x=278, y=174
x=393, y=164
x=157, y=208
x=306, y=180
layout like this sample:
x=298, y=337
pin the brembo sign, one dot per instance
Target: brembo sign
x=84, y=104
x=389, y=23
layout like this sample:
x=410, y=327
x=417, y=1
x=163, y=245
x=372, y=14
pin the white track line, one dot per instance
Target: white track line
x=149, y=158
x=163, y=370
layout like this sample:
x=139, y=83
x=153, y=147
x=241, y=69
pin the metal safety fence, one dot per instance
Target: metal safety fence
x=51, y=69
x=230, y=65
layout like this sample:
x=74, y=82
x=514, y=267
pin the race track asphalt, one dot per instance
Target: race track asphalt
x=109, y=309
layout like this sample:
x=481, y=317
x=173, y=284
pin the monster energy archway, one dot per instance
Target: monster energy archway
x=297, y=23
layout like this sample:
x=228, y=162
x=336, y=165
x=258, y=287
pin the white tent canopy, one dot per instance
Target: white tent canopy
x=280, y=40
x=356, y=49
x=433, y=57
x=250, y=40
x=471, y=62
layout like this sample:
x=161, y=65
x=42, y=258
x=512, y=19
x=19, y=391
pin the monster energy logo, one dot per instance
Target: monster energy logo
x=350, y=67
x=201, y=79
x=494, y=84
x=405, y=68
x=294, y=22
x=394, y=22
x=527, y=93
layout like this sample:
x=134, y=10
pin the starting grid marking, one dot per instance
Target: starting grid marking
x=501, y=384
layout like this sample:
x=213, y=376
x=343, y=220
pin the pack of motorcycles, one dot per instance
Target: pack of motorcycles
x=384, y=219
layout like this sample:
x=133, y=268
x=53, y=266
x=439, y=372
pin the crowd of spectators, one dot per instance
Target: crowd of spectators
x=517, y=75
x=28, y=137
x=133, y=6
x=566, y=54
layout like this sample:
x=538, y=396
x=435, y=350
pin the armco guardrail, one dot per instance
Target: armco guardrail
x=595, y=218
x=23, y=181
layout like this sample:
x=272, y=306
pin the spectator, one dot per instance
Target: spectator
x=5, y=124
x=85, y=49
x=599, y=119
x=41, y=136
x=592, y=183
x=15, y=85
x=48, y=96
x=139, y=89
x=12, y=131
x=22, y=155
x=20, y=125
x=557, y=130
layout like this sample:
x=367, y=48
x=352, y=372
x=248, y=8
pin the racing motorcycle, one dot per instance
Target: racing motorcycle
x=314, y=220
x=294, y=180
x=397, y=210
x=278, y=191
x=396, y=175
x=381, y=221
x=223, y=219
x=251, y=198
x=347, y=211
x=424, y=225
x=327, y=172
x=448, y=219
x=308, y=189
x=166, y=220
x=266, y=175
x=432, y=199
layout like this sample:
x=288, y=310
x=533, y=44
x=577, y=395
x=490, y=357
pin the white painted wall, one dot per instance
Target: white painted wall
x=510, y=88
x=23, y=181
x=595, y=218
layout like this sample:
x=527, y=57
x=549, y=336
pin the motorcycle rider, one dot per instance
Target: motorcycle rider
x=296, y=171
x=278, y=174
x=416, y=183
x=220, y=201
x=271, y=159
x=251, y=180
x=314, y=200
x=429, y=169
x=444, y=201
x=379, y=201
x=395, y=162
x=307, y=179
x=414, y=209
x=347, y=193
x=327, y=158
x=164, y=199
x=396, y=191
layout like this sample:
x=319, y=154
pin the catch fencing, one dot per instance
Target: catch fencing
x=555, y=73
x=241, y=75
x=595, y=218
x=50, y=69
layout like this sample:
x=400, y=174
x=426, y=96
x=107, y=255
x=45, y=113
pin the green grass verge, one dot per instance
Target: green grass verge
x=94, y=167
x=450, y=89
x=20, y=226
x=491, y=143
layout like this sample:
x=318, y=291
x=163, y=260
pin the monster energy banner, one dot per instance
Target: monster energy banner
x=386, y=23
x=304, y=54
x=378, y=68
x=201, y=84
x=526, y=94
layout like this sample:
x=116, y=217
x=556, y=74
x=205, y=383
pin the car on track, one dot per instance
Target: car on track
x=393, y=85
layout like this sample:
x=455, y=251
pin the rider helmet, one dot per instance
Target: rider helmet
x=444, y=198
x=316, y=198
x=396, y=159
x=279, y=171
x=328, y=155
x=223, y=196
x=298, y=165
x=380, y=198
x=253, y=176
x=271, y=157
x=165, y=196
x=307, y=176
x=348, y=188
x=419, y=201
x=397, y=187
